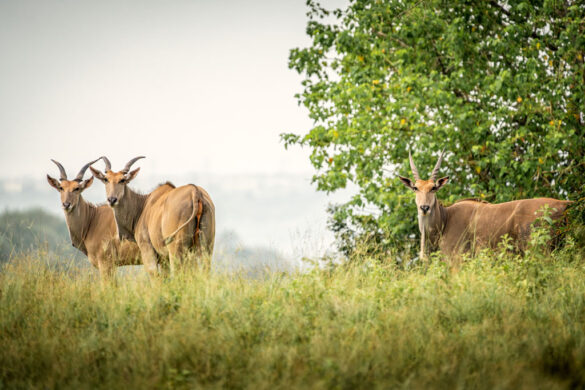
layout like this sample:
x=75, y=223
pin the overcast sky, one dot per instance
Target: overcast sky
x=192, y=85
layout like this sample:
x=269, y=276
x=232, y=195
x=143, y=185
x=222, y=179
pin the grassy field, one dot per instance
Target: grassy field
x=494, y=321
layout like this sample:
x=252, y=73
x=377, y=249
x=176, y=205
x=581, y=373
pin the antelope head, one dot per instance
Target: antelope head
x=116, y=182
x=425, y=190
x=70, y=190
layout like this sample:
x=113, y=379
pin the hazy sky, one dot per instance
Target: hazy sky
x=192, y=85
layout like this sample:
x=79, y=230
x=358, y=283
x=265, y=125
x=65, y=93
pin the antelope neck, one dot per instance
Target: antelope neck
x=128, y=212
x=434, y=222
x=78, y=223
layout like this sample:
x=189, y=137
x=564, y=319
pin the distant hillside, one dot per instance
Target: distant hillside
x=23, y=231
x=231, y=255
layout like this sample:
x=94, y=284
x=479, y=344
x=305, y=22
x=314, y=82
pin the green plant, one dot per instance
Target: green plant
x=483, y=323
x=498, y=85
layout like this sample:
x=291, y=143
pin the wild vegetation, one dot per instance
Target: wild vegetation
x=499, y=85
x=493, y=321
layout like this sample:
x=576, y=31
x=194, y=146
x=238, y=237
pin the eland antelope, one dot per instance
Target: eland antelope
x=470, y=224
x=165, y=223
x=92, y=228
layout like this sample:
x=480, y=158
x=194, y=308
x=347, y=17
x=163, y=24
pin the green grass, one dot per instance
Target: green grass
x=494, y=321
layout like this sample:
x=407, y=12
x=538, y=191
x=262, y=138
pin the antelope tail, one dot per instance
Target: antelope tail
x=197, y=211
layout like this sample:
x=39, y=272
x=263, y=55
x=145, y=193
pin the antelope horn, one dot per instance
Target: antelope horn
x=413, y=167
x=79, y=176
x=61, y=169
x=437, y=166
x=127, y=167
x=107, y=162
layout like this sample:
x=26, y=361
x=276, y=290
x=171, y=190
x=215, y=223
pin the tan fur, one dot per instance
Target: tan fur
x=93, y=229
x=470, y=224
x=166, y=212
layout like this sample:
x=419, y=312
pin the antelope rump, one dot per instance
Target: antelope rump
x=166, y=223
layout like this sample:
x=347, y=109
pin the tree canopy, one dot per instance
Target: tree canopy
x=499, y=85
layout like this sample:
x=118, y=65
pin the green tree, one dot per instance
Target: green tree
x=498, y=84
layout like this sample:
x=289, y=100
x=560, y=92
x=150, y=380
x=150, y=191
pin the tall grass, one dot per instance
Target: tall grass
x=494, y=321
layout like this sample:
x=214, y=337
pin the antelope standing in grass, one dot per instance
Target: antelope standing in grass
x=471, y=224
x=92, y=228
x=165, y=223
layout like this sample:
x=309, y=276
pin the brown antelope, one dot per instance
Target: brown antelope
x=470, y=224
x=165, y=223
x=92, y=228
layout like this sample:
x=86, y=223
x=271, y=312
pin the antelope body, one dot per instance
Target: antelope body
x=471, y=224
x=92, y=228
x=166, y=223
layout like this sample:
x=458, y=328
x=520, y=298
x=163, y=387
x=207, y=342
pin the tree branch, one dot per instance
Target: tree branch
x=385, y=36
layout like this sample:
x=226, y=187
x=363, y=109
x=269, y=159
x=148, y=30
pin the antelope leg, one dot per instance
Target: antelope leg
x=422, y=244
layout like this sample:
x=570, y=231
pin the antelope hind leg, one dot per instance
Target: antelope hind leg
x=150, y=260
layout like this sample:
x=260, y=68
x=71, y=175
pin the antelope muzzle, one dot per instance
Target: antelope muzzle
x=112, y=200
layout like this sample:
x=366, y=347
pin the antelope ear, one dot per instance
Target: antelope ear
x=132, y=174
x=407, y=182
x=54, y=183
x=441, y=182
x=98, y=174
x=86, y=183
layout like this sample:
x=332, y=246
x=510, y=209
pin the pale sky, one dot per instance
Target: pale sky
x=195, y=86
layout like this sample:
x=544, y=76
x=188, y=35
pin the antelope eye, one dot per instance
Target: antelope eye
x=105, y=180
x=122, y=181
x=434, y=188
x=415, y=188
x=76, y=190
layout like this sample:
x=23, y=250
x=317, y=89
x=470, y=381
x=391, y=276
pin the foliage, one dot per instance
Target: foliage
x=495, y=321
x=23, y=231
x=576, y=214
x=498, y=84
